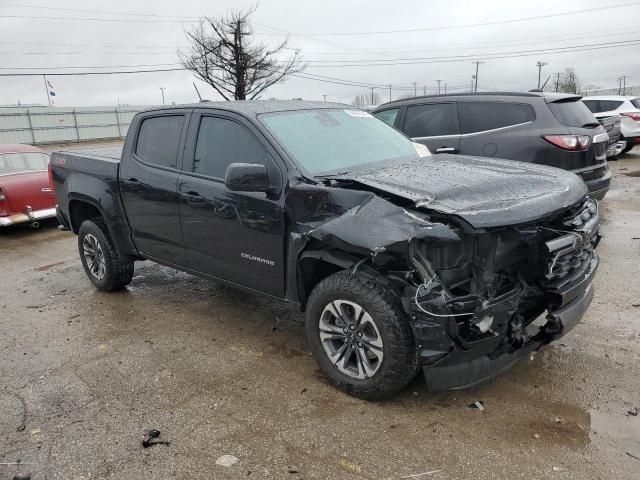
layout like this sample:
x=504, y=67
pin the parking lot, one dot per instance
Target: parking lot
x=220, y=372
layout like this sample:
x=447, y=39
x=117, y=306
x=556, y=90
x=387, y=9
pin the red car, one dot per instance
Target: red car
x=26, y=195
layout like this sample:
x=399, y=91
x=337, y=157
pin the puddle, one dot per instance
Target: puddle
x=619, y=431
x=635, y=173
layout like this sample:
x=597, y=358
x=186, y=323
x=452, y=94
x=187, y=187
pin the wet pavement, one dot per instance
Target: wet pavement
x=221, y=372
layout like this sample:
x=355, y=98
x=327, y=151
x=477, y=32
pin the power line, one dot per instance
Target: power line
x=391, y=62
x=471, y=25
x=96, y=19
x=489, y=56
x=474, y=55
x=85, y=66
x=177, y=19
x=467, y=46
x=42, y=7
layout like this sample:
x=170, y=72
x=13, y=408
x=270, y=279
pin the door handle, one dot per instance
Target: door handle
x=447, y=150
x=134, y=184
x=193, y=198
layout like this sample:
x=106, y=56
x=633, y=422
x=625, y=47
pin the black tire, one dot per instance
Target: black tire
x=627, y=149
x=118, y=271
x=399, y=363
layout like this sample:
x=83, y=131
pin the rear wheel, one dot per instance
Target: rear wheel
x=102, y=263
x=628, y=147
x=360, y=336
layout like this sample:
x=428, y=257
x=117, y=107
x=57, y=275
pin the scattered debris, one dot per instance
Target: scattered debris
x=635, y=305
x=558, y=469
x=479, y=404
x=150, y=437
x=350, y=466
x=303, y=390
x=632, y=455
x=227, y=460
x=22, y=476
x=418, y=475
x=536, y=435
x=633, y=412
x=293, y=470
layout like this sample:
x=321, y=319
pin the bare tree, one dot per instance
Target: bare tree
x=366, y=99
x=569, y=82
x=224, y=55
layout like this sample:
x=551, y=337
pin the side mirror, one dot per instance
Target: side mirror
x=247, y=177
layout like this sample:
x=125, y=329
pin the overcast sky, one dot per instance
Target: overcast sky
x=131, y=41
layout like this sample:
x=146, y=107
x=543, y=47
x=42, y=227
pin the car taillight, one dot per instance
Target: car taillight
x=569, y=142
x=632, y=115
x=50, y=174
x=2, y=195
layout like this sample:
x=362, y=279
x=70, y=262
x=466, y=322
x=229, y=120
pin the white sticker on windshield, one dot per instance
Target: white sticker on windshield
x=358, y=113
x=422, y=150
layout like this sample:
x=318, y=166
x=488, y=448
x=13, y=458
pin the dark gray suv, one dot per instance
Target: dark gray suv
x=550, y=129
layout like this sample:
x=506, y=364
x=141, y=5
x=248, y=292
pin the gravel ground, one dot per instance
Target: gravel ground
x=221, y=372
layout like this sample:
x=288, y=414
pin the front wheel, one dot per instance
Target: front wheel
x=360, y=336
x=102, y=263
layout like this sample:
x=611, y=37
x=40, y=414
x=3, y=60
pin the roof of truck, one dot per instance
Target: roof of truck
x=256, y=107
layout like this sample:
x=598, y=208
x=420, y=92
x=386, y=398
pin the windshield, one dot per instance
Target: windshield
x=333, y=141
x=573, y=113
x=23, y=162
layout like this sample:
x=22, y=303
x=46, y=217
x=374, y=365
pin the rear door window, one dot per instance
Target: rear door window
x=158, y=140
x=222, y=142
x=572, y=113
x=608, y=105
x=432, y=120
x=482, y=116
x=636, y=102
x=388, y=116
x=593, y=105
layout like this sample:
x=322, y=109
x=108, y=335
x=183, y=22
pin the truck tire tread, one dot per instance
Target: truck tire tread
x=400, y=363
x=119, y=270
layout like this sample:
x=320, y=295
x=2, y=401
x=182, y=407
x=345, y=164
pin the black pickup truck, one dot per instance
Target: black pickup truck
x=401, y=260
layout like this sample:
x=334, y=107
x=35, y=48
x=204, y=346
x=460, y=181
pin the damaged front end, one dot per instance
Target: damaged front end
x=474, y=309
x=472, y=294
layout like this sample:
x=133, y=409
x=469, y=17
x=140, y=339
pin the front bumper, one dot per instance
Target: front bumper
x=29, y=216
x=462, y=368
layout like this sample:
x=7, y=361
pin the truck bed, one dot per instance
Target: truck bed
x=103, y=152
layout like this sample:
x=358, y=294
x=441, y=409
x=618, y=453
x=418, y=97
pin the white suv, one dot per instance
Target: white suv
x=629, y=110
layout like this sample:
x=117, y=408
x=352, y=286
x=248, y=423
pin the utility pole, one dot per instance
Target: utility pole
x=415, y=89
x=389, y=92
x=445, y=88
x=557, y=81
x=325, y=97
x=424, y=90
x=438, y=86
x=473, y=79
x=540, y=65
x=372, y=102
x=476, y=75
x=619, y=84
x=624, y=84
x=162, y=89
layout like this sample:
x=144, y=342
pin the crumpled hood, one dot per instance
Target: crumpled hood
x=485, y=192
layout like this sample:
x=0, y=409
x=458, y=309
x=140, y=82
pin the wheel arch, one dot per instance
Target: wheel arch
x=315, y=265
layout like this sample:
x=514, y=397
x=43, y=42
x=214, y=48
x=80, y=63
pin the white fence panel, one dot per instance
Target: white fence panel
x=40, y=125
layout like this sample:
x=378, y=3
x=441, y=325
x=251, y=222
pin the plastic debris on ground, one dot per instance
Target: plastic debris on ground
x=227, y=460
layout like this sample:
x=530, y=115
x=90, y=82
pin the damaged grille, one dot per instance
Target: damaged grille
x=571, y=254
